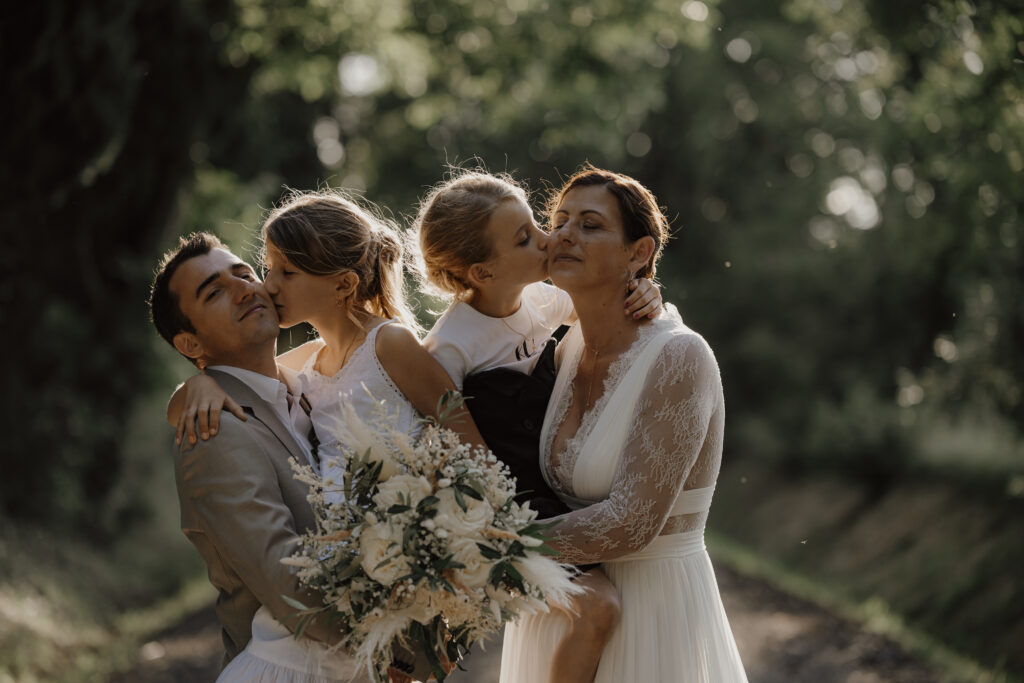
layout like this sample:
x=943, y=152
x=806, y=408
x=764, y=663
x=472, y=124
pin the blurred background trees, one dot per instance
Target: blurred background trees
x=844, y=179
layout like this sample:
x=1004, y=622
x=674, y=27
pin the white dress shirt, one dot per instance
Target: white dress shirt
x=275, y=393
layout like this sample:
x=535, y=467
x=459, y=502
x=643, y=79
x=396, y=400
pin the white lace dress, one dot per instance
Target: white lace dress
x=640, y=473
x=274, y=655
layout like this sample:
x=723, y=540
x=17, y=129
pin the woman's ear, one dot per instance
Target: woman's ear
x=188, y=345
x=642, y=250
x=345, y=285
x=478, y=274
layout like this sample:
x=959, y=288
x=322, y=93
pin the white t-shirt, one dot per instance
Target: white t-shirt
x=464, y=340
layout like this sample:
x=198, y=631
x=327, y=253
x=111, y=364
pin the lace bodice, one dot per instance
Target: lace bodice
x=362, y=381
x=655, y=432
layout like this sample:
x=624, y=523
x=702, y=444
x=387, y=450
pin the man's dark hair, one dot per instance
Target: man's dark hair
x=164, y=309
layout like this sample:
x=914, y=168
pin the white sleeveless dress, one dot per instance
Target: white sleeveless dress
x=362, y=382
x=274, y=655
x=640, y=474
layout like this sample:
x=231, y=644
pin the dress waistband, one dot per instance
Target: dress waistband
x=687, y=502
x=668, y=547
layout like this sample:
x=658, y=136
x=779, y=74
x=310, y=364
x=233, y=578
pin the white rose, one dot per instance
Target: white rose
x=477, y=567
x=381, y=549
x=391, y=492
x=475, y=518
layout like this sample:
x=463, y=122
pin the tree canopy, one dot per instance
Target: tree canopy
x=842, y=177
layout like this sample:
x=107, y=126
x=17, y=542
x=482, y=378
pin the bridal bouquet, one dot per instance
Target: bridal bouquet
x=420, y=542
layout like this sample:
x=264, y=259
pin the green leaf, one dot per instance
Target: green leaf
x=488, y=552
x=301, y=626
x=478, y=487
x=537, y=528
x=470, y=490
x=350, y=569
x=292, y=602
x=495, y=576
x=513, y=577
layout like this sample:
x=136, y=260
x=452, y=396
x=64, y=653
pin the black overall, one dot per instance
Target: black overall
x=508, y=408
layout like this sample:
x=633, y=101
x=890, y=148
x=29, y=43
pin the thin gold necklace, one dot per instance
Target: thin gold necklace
x=593, y=367
x=533, y=341
x=318, y=365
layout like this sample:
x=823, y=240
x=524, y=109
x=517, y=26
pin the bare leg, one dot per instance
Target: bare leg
x=597, y=614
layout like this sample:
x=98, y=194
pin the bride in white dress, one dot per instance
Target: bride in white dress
x=632, y=440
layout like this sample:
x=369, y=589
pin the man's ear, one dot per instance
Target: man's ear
x=188, y=345
x=642, y=250
x=479, y=274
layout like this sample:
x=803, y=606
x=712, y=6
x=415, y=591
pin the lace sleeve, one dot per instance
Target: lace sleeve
x=669, y=440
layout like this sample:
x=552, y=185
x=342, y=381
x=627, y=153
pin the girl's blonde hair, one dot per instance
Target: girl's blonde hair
x=450, y=226
x=327, y=233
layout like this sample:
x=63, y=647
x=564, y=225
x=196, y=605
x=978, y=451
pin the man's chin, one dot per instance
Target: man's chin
x=264, y=330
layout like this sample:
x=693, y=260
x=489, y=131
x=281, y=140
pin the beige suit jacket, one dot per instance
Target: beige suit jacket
x=242, y=509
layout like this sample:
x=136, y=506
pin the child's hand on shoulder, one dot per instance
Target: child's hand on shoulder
x=644, y=300
x=200, y=397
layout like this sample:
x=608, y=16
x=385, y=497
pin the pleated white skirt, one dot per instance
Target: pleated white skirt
x=275, y=656
x=673, y=625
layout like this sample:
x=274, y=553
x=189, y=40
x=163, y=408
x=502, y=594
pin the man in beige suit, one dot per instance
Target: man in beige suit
x=240, y=505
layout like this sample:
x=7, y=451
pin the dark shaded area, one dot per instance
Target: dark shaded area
x=106, y=100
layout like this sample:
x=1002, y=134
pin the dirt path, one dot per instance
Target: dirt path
x=781, y=639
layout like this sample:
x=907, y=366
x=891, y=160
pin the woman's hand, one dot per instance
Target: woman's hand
x=201, y=397
x=644, y=299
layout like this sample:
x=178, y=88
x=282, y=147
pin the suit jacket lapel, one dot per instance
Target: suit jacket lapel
x=263, y=412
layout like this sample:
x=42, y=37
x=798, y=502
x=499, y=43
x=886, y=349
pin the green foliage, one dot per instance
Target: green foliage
x=108, y=98
x=842, y=178
x=840, y=175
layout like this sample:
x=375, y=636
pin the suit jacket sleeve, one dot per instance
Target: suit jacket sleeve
x=233, y=489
